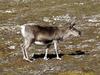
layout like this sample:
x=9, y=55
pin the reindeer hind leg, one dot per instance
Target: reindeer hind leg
x=46, y=52
x=25, y=47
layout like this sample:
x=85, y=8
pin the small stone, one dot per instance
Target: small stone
x=46, y=19
x=41, y=0
x=11, y=47
x=18, y=32
x=2, y=38
x=97, y=37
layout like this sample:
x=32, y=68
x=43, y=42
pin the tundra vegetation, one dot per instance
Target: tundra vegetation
x=80, y=56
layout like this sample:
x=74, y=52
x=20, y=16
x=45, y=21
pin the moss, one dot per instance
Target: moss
x=9, y=73
x=76, y=73
x=36, y=10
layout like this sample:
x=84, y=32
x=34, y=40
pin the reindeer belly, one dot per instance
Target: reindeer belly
x=39, y=43
x=43, y=42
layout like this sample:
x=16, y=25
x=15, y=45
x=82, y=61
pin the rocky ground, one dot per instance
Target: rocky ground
x=80, y=56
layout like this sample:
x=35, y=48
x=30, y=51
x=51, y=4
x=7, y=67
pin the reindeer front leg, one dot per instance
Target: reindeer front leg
x=55, y=46
x=46, y=52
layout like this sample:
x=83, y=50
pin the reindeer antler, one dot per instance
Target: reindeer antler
x=72, y=24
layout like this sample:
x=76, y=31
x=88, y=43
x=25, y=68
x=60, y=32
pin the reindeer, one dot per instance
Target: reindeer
x=45, y=35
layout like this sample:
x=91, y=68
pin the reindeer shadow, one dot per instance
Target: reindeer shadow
x=79, y=52
x=50, y=56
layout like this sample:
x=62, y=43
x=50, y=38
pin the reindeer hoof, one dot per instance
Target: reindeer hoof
x=58, y=58
x=27, y=59
x=45, y=58
x=32, y=59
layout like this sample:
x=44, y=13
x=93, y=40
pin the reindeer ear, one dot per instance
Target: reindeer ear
x=72, y=24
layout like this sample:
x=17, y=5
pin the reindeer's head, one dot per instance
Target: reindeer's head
x=72, y=31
